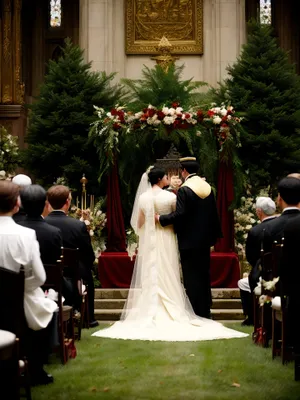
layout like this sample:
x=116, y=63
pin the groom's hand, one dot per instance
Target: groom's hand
x=156, y=218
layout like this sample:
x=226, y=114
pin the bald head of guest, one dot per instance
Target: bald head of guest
x=294, y=175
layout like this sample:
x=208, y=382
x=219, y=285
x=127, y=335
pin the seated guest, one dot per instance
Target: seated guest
x=289, y=278
x=19, y=247
x=288, y=200
x=265, y=210
x=22, y=181
x=34, y=203
x=33, y=199
x=75, y=235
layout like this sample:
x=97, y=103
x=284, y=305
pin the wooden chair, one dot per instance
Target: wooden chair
x=263, y=315
x=54, y=273
x=13, y=318
x=70, y=260
x=9, y=365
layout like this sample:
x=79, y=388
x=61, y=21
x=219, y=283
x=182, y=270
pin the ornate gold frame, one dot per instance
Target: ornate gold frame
x=133, y=46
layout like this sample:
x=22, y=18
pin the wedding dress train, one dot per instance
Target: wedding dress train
x=157, y=307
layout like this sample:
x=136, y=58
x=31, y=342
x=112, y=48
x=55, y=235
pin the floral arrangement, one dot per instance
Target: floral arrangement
x=9, y=153
x=269, y=287
x=244, y=219
x=132, y=243
x=95, y=221
x=219, y=120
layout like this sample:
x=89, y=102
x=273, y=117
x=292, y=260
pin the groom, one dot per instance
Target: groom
x=197, y=225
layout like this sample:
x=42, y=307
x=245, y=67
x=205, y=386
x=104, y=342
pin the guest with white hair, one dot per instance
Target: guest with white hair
x=265, y=210
x=22, y=181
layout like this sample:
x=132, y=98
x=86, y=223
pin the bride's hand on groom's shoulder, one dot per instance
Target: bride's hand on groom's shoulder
x=156, y=218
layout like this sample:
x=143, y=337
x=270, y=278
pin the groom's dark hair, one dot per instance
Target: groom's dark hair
x=192, y=167
x=155, y=175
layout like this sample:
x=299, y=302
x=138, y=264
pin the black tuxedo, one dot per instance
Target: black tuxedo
x=289, y=278
x=49, y=238
x=274, y=230
x=19, y=216
x=197, y=225
x=75, y=235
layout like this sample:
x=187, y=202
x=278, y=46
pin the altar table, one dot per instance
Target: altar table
x=115, y=270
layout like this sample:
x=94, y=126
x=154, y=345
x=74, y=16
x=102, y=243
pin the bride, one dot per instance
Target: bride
x=157, y=307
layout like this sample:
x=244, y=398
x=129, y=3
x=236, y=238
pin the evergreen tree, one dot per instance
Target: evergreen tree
x=264, y=85
x=60, y=119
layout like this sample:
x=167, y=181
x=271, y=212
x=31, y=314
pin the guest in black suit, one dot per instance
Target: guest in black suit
x=75, y=235
x=33, y=199
x=289, y=278
x=288, y=201
x=265, y=210
x=197, y=225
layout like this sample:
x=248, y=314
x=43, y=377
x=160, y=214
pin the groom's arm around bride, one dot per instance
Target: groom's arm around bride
x=197, y=225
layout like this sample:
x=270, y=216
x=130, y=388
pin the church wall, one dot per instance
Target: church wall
x=102, y=35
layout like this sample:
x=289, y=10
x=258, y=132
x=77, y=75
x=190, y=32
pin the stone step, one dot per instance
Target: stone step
x=112, y=304
x=122, y=293
x=217, y=314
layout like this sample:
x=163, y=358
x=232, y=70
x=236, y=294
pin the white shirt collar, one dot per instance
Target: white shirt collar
x=6, y=219
x=271, y=216
x=290, y=208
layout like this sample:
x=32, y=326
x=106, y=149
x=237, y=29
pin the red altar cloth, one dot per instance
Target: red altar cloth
x=115, y=270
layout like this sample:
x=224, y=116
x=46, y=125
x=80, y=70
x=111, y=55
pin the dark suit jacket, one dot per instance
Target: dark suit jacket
x=49, y=238
x=274, y=230
x=289, y=269
x=19, y=216
x=74, y=235
x=254, y=241
x=195, y=220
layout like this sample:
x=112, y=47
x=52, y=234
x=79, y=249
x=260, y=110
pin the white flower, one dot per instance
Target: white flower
x=217, y=120
x=248, y=227
x=229, y=117
x=172, y=111
x=98, y=213
x=150, y=107
x=81, y=219
x=87, y=222
x=109, y=114
x=165, y=110
x=252, y=220
x=138, y=114
x=198, y=133
x=91, y=233
x=223, y=112
x=168, y=120
x=179, y=110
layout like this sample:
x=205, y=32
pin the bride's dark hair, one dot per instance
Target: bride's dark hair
x=155, y=175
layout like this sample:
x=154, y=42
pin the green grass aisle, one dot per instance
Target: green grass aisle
x=233, y=369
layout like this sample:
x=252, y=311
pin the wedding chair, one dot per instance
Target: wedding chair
x=263, y=314
x=13, y=320
x=54, y=274
x=70, y=260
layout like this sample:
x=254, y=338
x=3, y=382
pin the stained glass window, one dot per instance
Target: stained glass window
x=55, y=13
x=265, y=11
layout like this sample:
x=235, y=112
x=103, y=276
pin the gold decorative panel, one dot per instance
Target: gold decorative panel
x=180, y=21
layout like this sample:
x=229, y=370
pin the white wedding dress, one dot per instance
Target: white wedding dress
x=157, y=307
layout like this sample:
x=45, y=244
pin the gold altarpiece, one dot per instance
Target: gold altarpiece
x=12, y=114
x=147, y=21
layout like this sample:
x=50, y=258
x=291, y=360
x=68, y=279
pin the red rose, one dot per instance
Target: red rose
x=210, y=113
x=175, y=104
x=200, y=116
x=114, y=112
x=187, y=115
x=160, y=115
x=116, y=126
x=151, y=112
